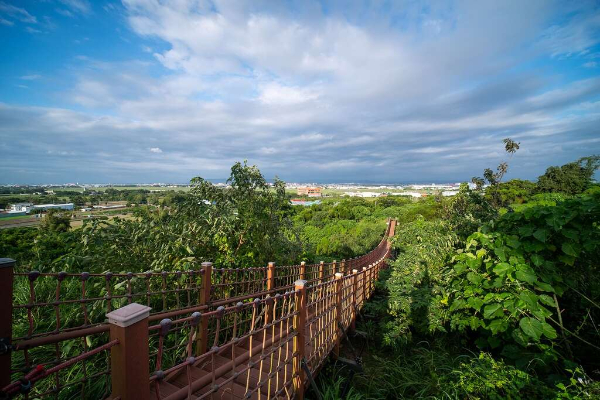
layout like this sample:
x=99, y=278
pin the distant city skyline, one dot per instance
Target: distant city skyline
x=310, y=91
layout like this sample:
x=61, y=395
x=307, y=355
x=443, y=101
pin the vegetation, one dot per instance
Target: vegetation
x=494, y=293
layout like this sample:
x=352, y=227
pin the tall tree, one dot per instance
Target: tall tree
x=571, y=178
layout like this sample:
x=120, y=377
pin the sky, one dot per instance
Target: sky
x=309, y=91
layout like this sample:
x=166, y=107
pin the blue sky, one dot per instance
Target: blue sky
x=396, y=91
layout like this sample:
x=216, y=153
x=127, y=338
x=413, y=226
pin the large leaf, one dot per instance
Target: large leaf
x=549, y=301
x=502, y=269
x=474, y=278
x=549, y=331
x=570, y=249
x=531, y=327
x=541, y=235
x=537, y=260
x=498, y=325
x=525, y=273
x=492, y=310
x=530, y=299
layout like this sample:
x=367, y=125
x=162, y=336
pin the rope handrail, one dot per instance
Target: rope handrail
x=211, y=309
x=26, y=383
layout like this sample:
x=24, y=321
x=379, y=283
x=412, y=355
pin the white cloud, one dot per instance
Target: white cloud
x=590, y=64
x=31, y=77
x=388, y=93
x=81, y=6
x=17, y=13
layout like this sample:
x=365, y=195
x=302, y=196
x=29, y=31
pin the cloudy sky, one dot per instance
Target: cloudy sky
x=396, y=91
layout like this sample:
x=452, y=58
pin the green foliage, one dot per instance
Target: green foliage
x=484, y=377
x=571, y=178
x=416, y=284
x=246, y=224
x=56, y=221
x=515, y=191
x=508, y=279
x=467, y=211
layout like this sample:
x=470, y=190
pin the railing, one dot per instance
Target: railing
x=281, y=316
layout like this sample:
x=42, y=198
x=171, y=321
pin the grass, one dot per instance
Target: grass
x=18, y=217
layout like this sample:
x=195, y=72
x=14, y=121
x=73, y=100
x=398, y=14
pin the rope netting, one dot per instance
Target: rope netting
x=223, y=321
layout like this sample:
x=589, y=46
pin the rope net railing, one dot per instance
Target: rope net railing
x=209, y=318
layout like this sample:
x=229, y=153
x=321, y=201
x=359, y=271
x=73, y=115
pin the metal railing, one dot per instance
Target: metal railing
x=261, y=322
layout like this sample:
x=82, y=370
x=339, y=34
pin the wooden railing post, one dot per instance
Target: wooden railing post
x=338, y=313
x=300, y=340
x=303, y=271
x=354, y=306
x=270, y=286
x=343, y=267
x=203, y=299
x=7, y=266
x=365, y=283
x=321, y=271
x=333, y=268
x=129, y=360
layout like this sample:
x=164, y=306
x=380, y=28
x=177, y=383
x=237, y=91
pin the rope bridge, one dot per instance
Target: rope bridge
x=222, y=333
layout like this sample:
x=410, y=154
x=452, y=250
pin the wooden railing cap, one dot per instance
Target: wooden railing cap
x=128, y=315
x=300, y=283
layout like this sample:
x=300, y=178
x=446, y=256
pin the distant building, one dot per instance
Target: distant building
x=448, y=193
x=364, y=194
x=309, y=191
x=46, y=207
x=20, y=207
x=411, y=194
x=306, y=203
x=26, y=208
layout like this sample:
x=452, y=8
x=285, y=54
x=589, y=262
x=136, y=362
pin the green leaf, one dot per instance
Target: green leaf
x=537, y=260
x=530, y=299
x=541, y=235
x=544, y=286
x=474, y=278
x=531, y=327
x=492, y=310
x=498, y=325
x=570, y=233
x=547, y=300
x=499, y=251
x=513, y=241
x=502, y=269
x=549, y=331
x=525, y=273
x=526, y=230
x=570, y=249
x=460, y=268
x=475, y=303
x=569, y=260
x=520, y=337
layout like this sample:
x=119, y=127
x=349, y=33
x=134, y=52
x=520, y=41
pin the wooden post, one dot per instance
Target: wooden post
x=365, y=282
x=300, y=340
x=354, y=289
x=338, y=313
x=333, y=268
x=321, y=271
x=129, y=360
x=343, y=267
x=270, y=286
x=204, y=298
x=303, y=271
x=7, y=266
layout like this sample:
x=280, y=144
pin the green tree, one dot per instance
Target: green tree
x=56, y=221
x=571, y=178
